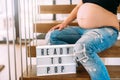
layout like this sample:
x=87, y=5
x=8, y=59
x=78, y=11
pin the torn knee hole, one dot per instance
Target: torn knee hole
x=91, y=69
x=80, y=54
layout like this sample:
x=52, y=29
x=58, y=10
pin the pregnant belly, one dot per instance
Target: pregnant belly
x=92, y=16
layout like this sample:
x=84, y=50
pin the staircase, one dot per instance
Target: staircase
x=43, y=26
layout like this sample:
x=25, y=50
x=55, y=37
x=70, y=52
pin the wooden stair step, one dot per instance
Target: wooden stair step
x=44, y=26
x=55, y=9
x=58, y=9
x=118, y=9
x=114, y=71
x=31, y=48
x=114, y=51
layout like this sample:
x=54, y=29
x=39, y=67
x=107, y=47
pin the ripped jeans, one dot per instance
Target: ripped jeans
x=88, y=42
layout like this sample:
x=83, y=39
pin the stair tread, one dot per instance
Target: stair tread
x=38, y=42
x=58, y=9
x=114, y=71
x=50, y=21
x=55, y=9
x=54, y=21
x=118, y=9
x=44, y=26
x=43, y=42
x=111, y=52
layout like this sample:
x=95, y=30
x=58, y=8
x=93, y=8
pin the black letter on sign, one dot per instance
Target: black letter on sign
x=47, y=50
x=48, y=69
x=55, y=52
x=60, y=60
x=61, y=51
x=62, y=68
x=67, y=50
x=42, y=51
x=52, y=60
x=56, y=69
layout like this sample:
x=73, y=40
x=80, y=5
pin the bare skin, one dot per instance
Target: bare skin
x=93, y=16
x=90, y=15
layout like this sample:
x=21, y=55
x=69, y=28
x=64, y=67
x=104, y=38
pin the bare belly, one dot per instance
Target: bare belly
x=92, y=16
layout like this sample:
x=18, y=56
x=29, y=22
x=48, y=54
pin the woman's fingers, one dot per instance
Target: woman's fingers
x=59, y=27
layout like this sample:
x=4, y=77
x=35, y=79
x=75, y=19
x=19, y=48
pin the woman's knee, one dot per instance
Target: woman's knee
x=80, y=52
x=48, y=36
x=52, y=35
x=83, y=51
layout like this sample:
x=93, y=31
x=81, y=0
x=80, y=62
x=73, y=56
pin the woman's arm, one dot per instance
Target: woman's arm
x=73, y=14
x=69, y=19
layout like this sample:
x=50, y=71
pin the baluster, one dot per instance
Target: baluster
x=8, y=48
x=33, y=19
x=25, y=38
x=29, y=35
x=20, y=37
x=54, y=15
x=12, y=24
x=70, y=2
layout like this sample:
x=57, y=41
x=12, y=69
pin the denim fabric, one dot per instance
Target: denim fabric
x=88, y=42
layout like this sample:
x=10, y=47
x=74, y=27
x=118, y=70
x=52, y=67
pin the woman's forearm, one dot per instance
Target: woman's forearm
x=72, y=15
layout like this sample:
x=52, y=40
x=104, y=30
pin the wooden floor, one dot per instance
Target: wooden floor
x=80, y=75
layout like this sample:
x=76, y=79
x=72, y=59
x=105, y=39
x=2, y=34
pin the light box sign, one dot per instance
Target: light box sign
x=55, y=59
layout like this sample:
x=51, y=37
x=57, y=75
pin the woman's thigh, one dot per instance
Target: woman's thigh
x=68, y=35
x=99, y=39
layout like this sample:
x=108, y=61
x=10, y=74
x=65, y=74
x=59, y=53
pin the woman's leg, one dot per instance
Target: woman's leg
x=66, y=36
x=87, y=47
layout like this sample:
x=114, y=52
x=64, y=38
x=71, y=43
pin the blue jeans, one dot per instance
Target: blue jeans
x=88, y=42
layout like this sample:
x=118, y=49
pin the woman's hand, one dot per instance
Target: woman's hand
x=59, y=27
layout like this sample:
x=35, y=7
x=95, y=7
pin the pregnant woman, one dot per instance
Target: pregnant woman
x=97, y=31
